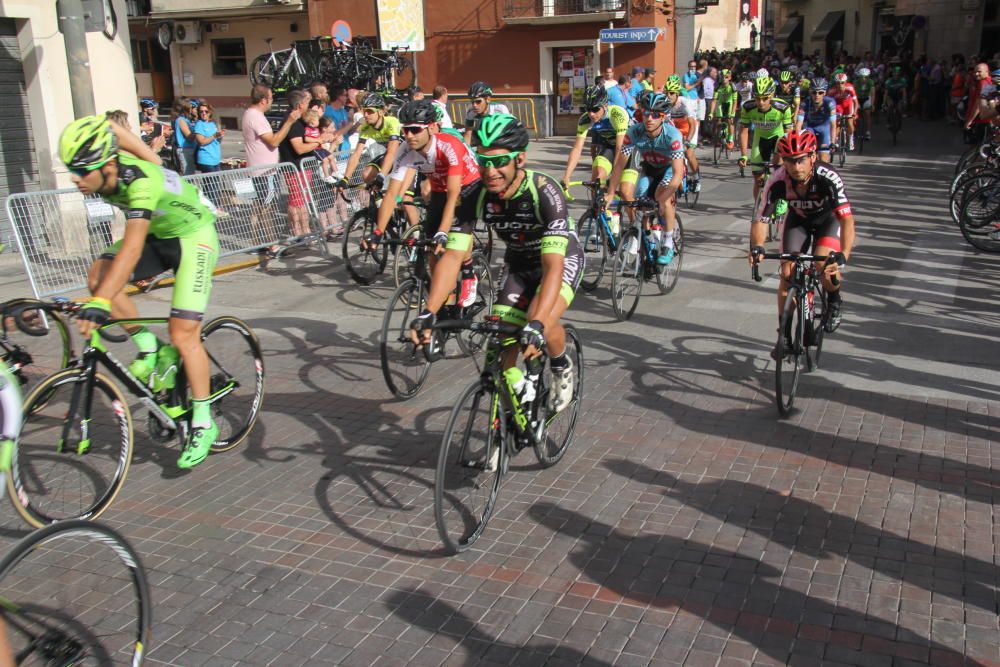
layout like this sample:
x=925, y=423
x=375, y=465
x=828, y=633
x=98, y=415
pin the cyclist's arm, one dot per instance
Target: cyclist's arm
x=554, y=214
x=390, y=156
x=677, y=174
x=454, y=191
x=130, y=143
x=574, y=157
x=127, y=257
x=393, y=191
x=744, y=140
x=847, y=235
x=352, y=162
x=548, y=291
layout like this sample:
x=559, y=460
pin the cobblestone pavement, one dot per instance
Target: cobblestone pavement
x=687, y=524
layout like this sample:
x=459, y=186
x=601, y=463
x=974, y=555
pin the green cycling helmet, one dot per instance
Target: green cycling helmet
x=88, y=143
x=763, y=86
x=786, y=76
x=500, y=130
x=674, y=77
x=672, y=86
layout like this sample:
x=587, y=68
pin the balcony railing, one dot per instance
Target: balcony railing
x=136, y=8
x=567, y=9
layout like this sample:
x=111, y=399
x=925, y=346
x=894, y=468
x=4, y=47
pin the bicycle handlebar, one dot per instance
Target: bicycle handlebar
x=64, y=306
x=641, y=203
x=794, y=257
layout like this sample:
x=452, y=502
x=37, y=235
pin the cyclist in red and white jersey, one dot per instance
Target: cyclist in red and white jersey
x=454, y=177
x=847, y=103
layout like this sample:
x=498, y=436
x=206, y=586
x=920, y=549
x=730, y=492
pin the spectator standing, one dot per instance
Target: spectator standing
x=957, y=86
x=621, y=96
x=979, y=88
x=691, y=80
x=647, y=80
x=418, y=93
x=185, y=114
x=208, y=156
x=338, y=112
x=609, y=81
x=439, y=98
x=294, y=148
x=636, y=87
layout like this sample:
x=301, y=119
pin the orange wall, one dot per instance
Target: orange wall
x=468, y=41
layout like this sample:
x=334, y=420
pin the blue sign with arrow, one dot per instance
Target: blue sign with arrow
x=631, y=35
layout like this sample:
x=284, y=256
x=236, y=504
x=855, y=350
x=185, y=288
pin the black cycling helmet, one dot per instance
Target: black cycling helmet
x=372, y=101
x=500, y=131
x=595, y=96
x=480, y=89
x=654, y=101
x=418, y=112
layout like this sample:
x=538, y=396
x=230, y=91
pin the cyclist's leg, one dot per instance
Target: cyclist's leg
x=630, y=177
x=121, y=305
x=758, y=172
x=602, y=164
x=511, y=304
x=823, y=134
x=666, y=201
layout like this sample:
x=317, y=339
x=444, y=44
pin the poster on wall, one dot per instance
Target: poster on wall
x=574, y=68
x=565, y=95
x=401, y=24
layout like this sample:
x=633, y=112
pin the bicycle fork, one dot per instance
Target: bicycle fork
x=87, y=386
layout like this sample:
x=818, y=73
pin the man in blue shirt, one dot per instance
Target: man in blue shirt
x=337, y=112
x=621, y=95
x=638, y=74
x=692, y=81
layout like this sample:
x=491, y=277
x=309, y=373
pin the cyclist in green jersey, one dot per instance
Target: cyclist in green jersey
x=770, y=119
x=864, y=85
x=169, y=225
x=725, y=96
x=788, y=91
x=378, y=128
x=895, y=89
x=606, y=125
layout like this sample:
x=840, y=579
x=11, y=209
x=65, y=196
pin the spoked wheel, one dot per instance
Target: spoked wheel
x=470, y=467
x=263, y=70
x=76, y=593
x=482, y=240
x=814, y=351
x=404, y=367
x=40, y=349
x=561, y=425
x=980, y=178
x=236, y=372
x=667, y=274
x=842, y=149
x=595, y=249
x=626, y=276
x=472, y=343
x=52, y=479
x=363, y=265
x=787, y=367
x=405, y=263
x=980, y=217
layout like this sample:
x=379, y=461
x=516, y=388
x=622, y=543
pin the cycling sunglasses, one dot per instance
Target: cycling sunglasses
x=413, y=129
x=594, y=109
x=370, y=110
x=479, y=100
x=765, y=98
x=819, y=92
x=655, y=115
x=496, y=161
x=84, y=172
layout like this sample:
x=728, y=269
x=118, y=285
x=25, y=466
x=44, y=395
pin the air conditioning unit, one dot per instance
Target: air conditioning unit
x=601, y=5
x=187, y=32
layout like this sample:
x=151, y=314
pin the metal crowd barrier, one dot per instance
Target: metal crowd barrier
x=60, y=233
x=521, y=107
x=330, y=211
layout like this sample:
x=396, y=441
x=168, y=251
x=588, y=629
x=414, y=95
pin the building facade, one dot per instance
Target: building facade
x=720, y=28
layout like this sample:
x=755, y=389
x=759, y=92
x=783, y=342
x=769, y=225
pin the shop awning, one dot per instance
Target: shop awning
x=827, y=25
x=787, y=28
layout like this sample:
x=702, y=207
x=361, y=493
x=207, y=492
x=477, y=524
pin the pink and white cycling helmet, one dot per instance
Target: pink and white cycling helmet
x=840, y=77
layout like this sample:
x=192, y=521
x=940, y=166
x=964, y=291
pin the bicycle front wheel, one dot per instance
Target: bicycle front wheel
x=788, y=367
x=472, y=343
x=54, y=479
x=469, y=468
x=560, y=426
x=978, y=216
x=626, y=275
x=595, y=246
x=404, y=265
x=363, y=265
x=236, y=373
x=668, y=274
x=76, y=593
x=404, y=367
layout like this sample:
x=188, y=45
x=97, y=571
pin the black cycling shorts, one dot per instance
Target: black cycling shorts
x=800, y=236
x=465, y=211
x=521, y=285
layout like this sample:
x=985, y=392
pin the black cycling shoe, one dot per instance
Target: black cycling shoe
x=834, y=316
x=777, y=354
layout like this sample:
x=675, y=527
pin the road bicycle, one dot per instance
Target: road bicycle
x=32, y=362
x=691, y=195
x=490, y=423
x=801, y=329
x=282, y=70
x=860, y=131
x=77, y=440
x=721, y=138
x=404, y=365
x=636, y=259
x=839, y=152
x=598, y=233
x=75, y=593
x=365, y=264
x=894, y=119
x=407, y=253
x=979, y=218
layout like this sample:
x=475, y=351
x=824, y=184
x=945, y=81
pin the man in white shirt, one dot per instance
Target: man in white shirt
x=610, y=80
x=439, y=98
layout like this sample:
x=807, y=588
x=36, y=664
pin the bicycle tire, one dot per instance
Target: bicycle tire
x=593, y=241
x=969, y=188
x=68, y=571
x=561, y=426
x=235, y=359
x=819, y=332
x=667, y=275
x=470, y=342
x=969, y=157
x=363, y=265
x=627, y=275
x=785, y=385
x=45, y=358
x=32, y=492
x=842, y=148
x=406, y=257
x=262, y=70
x=975, y=231
x=463, y=470
x=482, y=240
x=404, y=367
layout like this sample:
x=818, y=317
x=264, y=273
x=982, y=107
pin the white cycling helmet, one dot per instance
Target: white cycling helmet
x=762, y=72
x=864, y=71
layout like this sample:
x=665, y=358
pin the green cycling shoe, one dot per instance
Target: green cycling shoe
x=198, y=445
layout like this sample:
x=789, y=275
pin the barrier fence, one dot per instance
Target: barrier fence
x=523, y=108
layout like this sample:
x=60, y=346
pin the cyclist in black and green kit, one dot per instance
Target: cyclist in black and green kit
x=725, y=108
x=169, y=225
x=770, y=119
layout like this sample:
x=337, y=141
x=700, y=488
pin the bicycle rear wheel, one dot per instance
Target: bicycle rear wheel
x=262, y=70
x=49, y=479
x=979, y=218
x=470, y=467
x=405, y=263
x=668, y=274
x=627, y=275
x=404, y=367
x=814, y=351
x=788, y=367
x=236, y=373
x=594, y=245
x=559, y=427
x=482, y=240
x=842, y=148
x=41, y=351
x=76, y=593
x=363, y=265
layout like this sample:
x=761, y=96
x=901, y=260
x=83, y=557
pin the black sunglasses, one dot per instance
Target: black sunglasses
x=594, y=109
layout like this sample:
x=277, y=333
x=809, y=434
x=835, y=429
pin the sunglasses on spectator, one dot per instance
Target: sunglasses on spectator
x=497, y=161
x=654, y=115
x=413, y=129
x=204, y=111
